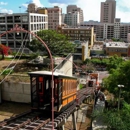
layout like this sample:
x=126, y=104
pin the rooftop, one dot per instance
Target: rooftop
x=117, y=44
x=80, y=28
x=97, y=47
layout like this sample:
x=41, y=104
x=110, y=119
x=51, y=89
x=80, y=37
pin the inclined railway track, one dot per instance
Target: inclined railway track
x=26, y=121
x=38, y=121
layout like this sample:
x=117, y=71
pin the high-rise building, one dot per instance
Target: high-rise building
x=128, y=37
x=71, y=19
x=63, y=18
x=54, y=17
x=74, y=8
x=117, y=28
x=32, y=7
x=54, y=14
x=108, y=11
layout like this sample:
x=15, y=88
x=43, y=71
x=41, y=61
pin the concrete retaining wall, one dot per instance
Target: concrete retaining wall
x=16, y=92
x=67, y=67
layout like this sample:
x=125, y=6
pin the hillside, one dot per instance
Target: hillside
x=19, y=68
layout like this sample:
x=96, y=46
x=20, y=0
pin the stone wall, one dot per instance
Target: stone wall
x=16, y=92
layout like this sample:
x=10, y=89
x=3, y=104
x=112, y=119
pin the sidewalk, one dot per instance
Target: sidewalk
x=98, y=122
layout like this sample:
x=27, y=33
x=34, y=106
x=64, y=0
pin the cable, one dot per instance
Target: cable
x=13, y=58
x=14, y=65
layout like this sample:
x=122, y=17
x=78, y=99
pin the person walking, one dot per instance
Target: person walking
x=96, y=93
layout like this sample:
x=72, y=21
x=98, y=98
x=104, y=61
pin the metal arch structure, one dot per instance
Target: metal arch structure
x=18, y=29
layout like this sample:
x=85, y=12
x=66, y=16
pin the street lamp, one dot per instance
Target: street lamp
x=119, y=86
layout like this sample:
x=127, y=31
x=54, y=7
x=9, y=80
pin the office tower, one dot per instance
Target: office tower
x=54, y=17
x=32, y=8
x=117, y=28
x=74, y=8
x=54, y=14
x=72, y=19
x=108, y=11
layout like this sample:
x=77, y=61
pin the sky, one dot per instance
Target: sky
x=91, y=8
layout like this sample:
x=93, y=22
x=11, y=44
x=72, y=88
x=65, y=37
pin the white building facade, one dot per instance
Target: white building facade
x=117, y=28
x=29, y=21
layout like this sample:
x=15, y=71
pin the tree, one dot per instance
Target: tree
x=114, y=119
x=57, y=43
x=4, y=50
x=117, y=40
x=114, y=62
x=121, y=75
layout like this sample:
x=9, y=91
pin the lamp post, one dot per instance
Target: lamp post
x=119, y=86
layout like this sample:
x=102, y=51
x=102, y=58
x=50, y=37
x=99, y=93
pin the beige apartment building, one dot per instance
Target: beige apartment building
x=32, y=7
x=54, y=14
x=54, y=17
x=81, y=34
x=108, y=11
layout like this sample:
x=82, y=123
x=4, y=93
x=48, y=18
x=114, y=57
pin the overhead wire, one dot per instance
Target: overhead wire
x=15, y=63
x=13, y=58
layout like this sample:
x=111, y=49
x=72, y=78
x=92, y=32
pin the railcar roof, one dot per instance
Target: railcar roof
x=48, y=73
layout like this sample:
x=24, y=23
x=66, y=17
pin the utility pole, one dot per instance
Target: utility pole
x=119, y=86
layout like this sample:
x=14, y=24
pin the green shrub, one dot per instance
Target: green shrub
x=81, y=86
